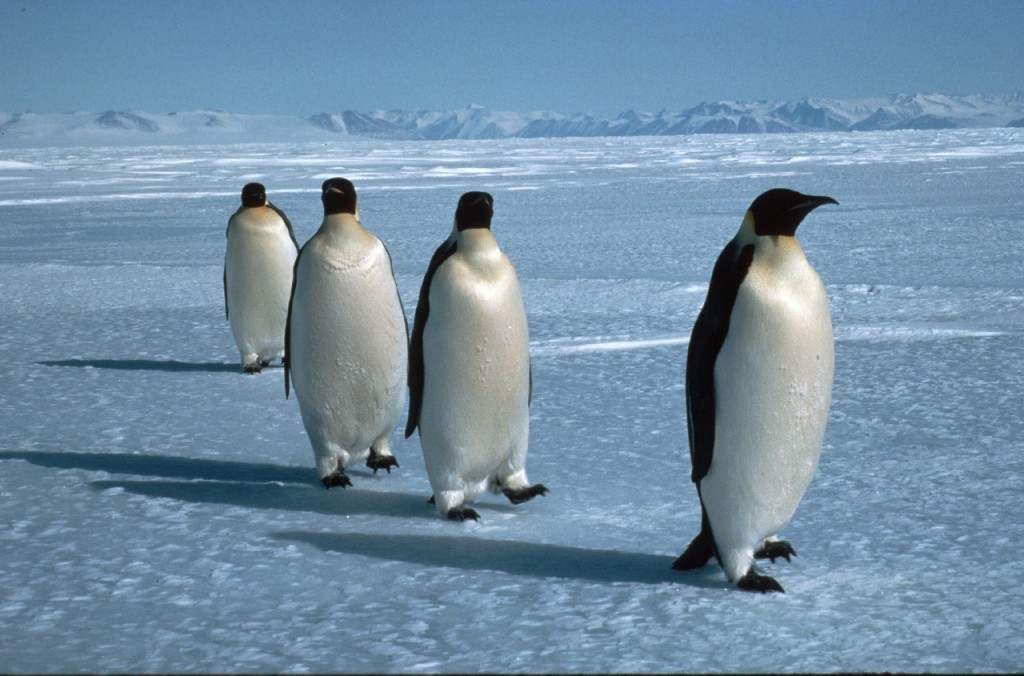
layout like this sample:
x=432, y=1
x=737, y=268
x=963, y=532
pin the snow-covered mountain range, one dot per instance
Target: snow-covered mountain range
x=903, y=111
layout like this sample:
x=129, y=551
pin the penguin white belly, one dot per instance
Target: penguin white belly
x=773, y=385
x=258, y=268
x=474, y=422
x=348, y=351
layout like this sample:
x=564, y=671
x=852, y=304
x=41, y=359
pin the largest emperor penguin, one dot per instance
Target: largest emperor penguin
x=758, y=387
x=258, y=266
x=347, y=341
x=469, y=368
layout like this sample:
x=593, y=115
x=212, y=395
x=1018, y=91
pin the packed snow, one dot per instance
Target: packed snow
x=159, y=510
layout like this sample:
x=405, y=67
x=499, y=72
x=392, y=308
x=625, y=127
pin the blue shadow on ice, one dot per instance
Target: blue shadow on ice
x=169, y=366
x=240, y=484
x=516, y=558
x=166, y=466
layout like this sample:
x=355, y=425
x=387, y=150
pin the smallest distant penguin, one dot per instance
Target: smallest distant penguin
x=469, y=368
x=258, y=266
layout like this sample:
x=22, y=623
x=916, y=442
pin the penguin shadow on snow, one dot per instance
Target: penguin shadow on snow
x=527, y=559
x=268, y=486
x=166, y=466
x=307, y=498
x=167, y=366
x=240, y=484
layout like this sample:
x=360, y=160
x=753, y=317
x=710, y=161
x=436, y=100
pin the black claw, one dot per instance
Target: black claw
x=763, y=583
x=462, y=513
x=252, y=369
x=520, y=495
x=431, y=500
x=339, y=478
x=376, y=462
x=775, y=549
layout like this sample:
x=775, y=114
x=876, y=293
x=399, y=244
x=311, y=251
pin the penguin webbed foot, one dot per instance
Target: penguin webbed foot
x=386, y=462
x=463, y=513
x=753, y=581
x=338, y=478
x=697, y=554
x=520, y=495
x=775, y=549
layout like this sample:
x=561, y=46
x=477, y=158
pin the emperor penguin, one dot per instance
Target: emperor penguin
x=759, y=370
x=258, y=266
x=346, y=345
x=469, y=368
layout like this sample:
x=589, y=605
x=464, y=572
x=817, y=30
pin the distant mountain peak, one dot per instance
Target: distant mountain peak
x=900, y=111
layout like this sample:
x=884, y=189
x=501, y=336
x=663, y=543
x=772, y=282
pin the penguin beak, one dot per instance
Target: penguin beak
x=813, y=202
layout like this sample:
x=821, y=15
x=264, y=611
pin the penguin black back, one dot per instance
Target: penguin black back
x=706, y=340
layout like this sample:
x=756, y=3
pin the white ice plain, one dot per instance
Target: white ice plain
x=159, y=510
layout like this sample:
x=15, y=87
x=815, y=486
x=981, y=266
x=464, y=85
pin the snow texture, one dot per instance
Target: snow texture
x=159, y=510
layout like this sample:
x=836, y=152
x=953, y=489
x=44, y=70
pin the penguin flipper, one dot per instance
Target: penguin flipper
x=415, y=378
x=286, y=360
x=391, y=267
x=706, y=340
x=226, y=315
x=287, y=224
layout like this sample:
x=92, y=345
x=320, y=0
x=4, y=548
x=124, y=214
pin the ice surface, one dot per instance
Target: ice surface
x=159, y=511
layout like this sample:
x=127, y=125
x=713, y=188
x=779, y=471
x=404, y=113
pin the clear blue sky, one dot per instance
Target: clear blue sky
x=300, y=57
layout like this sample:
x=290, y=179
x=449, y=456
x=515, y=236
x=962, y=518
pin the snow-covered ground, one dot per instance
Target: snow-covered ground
x=159, y=510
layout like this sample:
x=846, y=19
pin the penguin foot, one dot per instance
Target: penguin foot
x=519, y=495
x=253, y=368
x=697, y=554
x=763, y=583
x=376, y=462
x=339, y=478
x=463, y=513
x=775, y=549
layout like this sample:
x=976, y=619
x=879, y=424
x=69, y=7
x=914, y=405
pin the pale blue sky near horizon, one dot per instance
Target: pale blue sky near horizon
x=299, y=57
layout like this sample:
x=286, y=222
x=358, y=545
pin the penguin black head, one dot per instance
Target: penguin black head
x=338, y=196
x=254, y=195
x=474, y=211
x=779, y=211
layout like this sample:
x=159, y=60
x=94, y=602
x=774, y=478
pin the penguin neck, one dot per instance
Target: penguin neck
x=342, y=222
x=769, y=249
x=478, y=242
